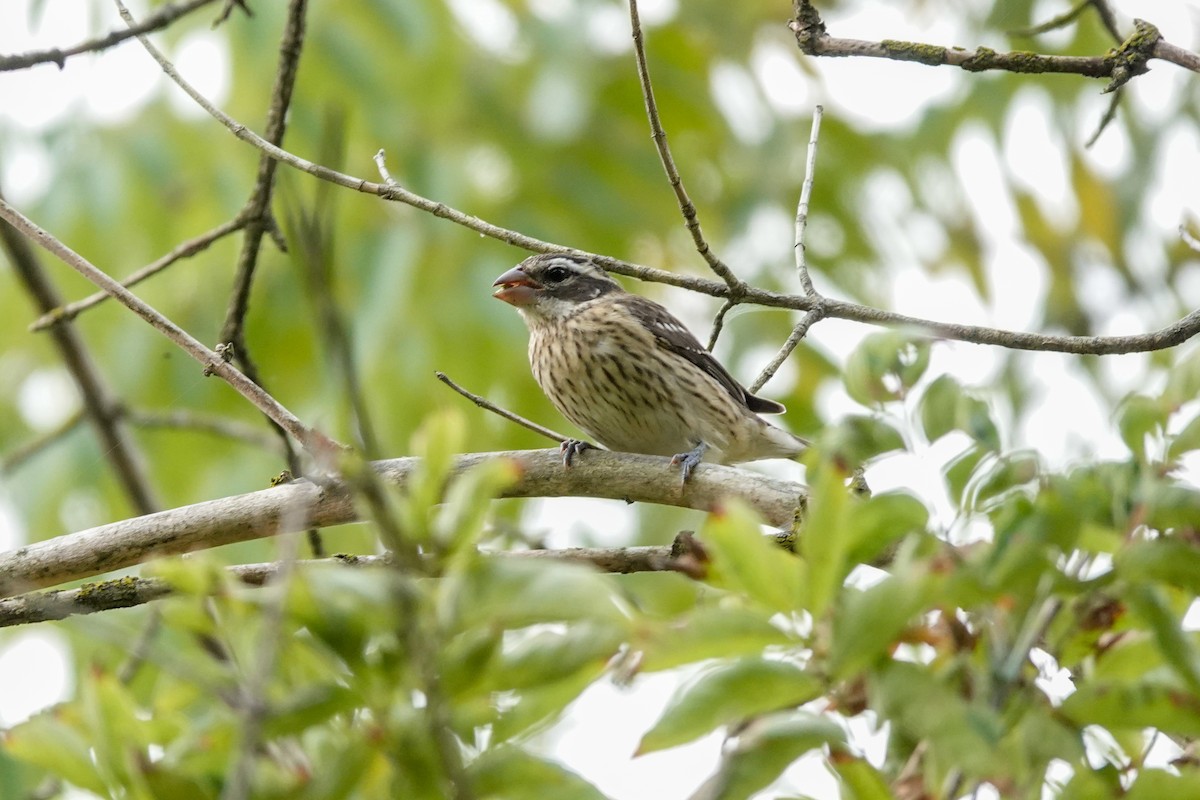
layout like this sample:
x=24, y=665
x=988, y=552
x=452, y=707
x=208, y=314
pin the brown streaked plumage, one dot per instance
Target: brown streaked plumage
x=623, y=369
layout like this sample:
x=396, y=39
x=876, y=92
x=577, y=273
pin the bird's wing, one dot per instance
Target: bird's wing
x=672, y=335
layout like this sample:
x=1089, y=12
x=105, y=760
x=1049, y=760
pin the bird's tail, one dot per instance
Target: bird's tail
x=787, y=445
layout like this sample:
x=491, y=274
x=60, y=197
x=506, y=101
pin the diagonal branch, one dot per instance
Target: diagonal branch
x=1170, y=336
x=185, y=249
x=302, y=504
x=690, y=218
x=159, y=19
x=311, y=439
x=488, y=405
x=101, y=406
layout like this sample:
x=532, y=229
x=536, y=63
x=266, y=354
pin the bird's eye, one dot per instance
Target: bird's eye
x=557, y=274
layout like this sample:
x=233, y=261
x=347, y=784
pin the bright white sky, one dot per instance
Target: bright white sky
x=1070, y=422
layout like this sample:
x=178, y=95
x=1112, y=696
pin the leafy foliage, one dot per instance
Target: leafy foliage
x=988, y=585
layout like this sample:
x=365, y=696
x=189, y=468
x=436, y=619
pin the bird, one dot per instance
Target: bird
x=624, y=370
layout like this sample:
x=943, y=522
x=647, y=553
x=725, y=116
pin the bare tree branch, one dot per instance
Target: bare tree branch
x=132, y=591
x=488, y=405
x=317, y=443
x=101, y=406
x=1170, y=336
x=183, y=419
x=184, y=250
x=817, y=312
x=257, y=209
x=13, y=459
x=301, y=504
x=159, y=19
x=1119, y=65
x=690, y=217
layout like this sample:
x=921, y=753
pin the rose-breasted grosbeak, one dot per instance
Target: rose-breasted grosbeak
x=623, y=369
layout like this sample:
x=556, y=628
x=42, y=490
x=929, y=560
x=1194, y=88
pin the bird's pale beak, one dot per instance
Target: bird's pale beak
x=516, y=288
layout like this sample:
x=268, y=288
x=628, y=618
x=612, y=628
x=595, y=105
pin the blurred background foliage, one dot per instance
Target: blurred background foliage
x=529, y=115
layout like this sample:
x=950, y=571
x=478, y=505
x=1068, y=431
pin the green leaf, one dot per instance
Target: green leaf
x=514, y=592
x=1147, y=602
x=728, y=694
x=939, y=407
x=466, y=660
x=1155, y=784
x=1186, y=441
x=1094, y=784
x=513, y=774
x=958, y=471
x=743, y=560
x=714, y=631
x=824, y=539
x=1138, y=417
x=885, y=366
x=537, y=706
x=1183, y=382
x=1163, y=560
x=550, y=655
x=925, y=705
x=1133, y=706
x=57, y=746
x=868, y=621
x=946, y=407
x=976, y=420
x=1009, y=471
x=766, y=747
x=878, y=522
x=860, y=780
x=459, y=520
x=857, y=439
x=442, y=435
x=309, y=707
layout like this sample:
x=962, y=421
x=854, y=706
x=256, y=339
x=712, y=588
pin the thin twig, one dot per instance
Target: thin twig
x=141, y=647
x=100, y=403
x=1169, y=336
x=14, y=459
x=1107, y=18
x=798, y=332
x=257, y=211
x=488, y=405
x=381, y=165
x=312, y=440
x=719, y=322
x=1061, y=21
x=181, y=419
x=1109, y=115
x=185, y=249
x=159, y=19
x=800, y=248
x=810, y=169
x=690, y=218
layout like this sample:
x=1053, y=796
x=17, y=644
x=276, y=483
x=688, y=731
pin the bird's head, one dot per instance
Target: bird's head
x=551, y=285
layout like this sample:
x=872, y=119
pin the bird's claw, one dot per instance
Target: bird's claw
x=571, y=448
x=690, y=460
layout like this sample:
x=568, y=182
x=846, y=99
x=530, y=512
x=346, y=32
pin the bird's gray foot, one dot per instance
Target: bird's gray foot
x=571, y=448
x=690, y=460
